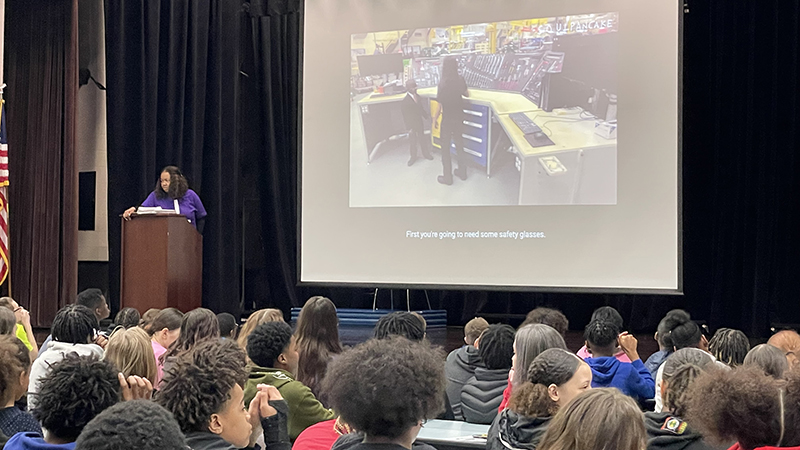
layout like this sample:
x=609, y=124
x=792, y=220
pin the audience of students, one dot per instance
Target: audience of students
x=633, y=378
x=747, y=406
x=228, y=328
x=15, y=368
x=461, y=363
x=552, y=380
x=668, y=430
x=197, y=326
x=385, y=389
x=729, y=346
x=73, y=331
x=273, y=351
x=769, y=359
x=165, y=328
x=547, y=316
x=788, y=341
x=529, y=342
x=482, y=394
x=612, y=317
x=133, y=425
x=203, y=391
x=96, y=302
x=131, y=352
x=317, y=337
x=23, y=329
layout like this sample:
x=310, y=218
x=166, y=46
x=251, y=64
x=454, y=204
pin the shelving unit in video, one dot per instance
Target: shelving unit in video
x=539, y=120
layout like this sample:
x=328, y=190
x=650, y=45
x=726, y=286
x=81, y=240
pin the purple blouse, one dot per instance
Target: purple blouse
x=190, y=205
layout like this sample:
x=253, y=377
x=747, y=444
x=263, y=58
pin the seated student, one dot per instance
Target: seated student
x=257, y=318
x=633, y=378
x=125, y=318
x=130, y=351
x=609, y=315
x=748, y=406
x=96, y=302
x=729, y=346
x=482, y=394
x=197, y=326
x=322, y=435
x=664, y=340
x=769, y=359
x=789, y=342
x=23, y=330
x=165, y=328
x=553, y=379
x=529, y=342
x=75, y=390
x=73, y=330
x=317, y=337
x=15, y=367
x=146, y=322
x=597, y=419
x=203, y=391
x=548, y=316
x=385, y=389
x=8, y=322
x=668, y=429
x=273, y=351
x=134, y=425
x=227, y=325
x=461, y=363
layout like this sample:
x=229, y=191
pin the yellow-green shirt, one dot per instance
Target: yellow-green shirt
x=23, y=336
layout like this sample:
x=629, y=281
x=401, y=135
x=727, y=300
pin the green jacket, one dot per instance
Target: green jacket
x=304, y=409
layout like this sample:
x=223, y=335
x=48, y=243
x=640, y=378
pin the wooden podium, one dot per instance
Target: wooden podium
x=162, y=263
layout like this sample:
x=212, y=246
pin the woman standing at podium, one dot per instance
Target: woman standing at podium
x=172, y=192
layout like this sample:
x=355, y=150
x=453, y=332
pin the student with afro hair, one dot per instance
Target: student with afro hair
x=203, y=391
x=632, y=378
x=273, y=351
x=134, y=425
x=385, y=389
x=483, y=392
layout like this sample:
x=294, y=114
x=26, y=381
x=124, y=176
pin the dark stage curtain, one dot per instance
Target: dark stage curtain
x=41, y=70
x=172, y=78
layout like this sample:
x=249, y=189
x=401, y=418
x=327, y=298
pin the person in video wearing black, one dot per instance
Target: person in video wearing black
x=450, y=96
x=413, y=115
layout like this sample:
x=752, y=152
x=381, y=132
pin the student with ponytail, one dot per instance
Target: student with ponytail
x=668, y=430
x=552, y=380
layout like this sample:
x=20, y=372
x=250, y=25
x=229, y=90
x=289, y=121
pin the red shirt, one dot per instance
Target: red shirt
x=506, y=397
x=736, y=447
x=320, y=436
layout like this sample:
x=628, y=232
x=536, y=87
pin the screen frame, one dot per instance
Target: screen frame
x=679, y=290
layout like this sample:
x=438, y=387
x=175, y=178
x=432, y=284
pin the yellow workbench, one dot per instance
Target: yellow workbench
x=567, y=131
x=501, y=102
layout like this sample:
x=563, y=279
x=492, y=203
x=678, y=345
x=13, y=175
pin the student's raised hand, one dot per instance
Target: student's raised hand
x=629, y=345
x=23, y=316
x=135, y=387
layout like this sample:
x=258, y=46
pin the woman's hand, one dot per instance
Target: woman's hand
x=127, y=214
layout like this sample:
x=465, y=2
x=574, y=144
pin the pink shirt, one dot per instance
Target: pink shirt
x=158, y=350
x=621, y=356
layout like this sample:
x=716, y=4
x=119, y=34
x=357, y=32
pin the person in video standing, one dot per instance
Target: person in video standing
x=450, y=96
x=413, y=114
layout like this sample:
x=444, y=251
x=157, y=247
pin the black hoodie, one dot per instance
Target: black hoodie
x=459, y=368
x=665, y=432
x=512, y=431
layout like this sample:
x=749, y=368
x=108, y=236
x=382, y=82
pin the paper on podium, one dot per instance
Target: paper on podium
x=154, y=210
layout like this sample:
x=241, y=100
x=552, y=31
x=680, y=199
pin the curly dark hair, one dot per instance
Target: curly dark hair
x=267, y=342
x=681, y=369
x=178, y=185
x=127, y=318
x=729, y=346
x=200, y=382
x=383, y=387
x=74, y=324
x=14, y=360
x=552, y=366
x=601, y=334
x=132, y=425
x=75, y=390
x=548, y=316
x=681, y=330
x=744, y=404
x=399, y=323
x=497, y=347
x=768, y=358
x=196, y=326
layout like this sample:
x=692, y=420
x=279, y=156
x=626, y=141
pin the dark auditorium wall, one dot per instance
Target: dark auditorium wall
x=740, y=177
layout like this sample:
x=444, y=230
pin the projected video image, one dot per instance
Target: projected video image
x=526, y=111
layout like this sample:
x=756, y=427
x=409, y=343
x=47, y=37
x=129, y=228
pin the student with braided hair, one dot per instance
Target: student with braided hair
x=729, y=346
x=553, y=379
x=632, y=378
x=668, y=430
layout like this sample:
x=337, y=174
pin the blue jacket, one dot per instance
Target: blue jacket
x=633, y=379
x=34, y=441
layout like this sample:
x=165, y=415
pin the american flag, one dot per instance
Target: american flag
x=4, y=261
